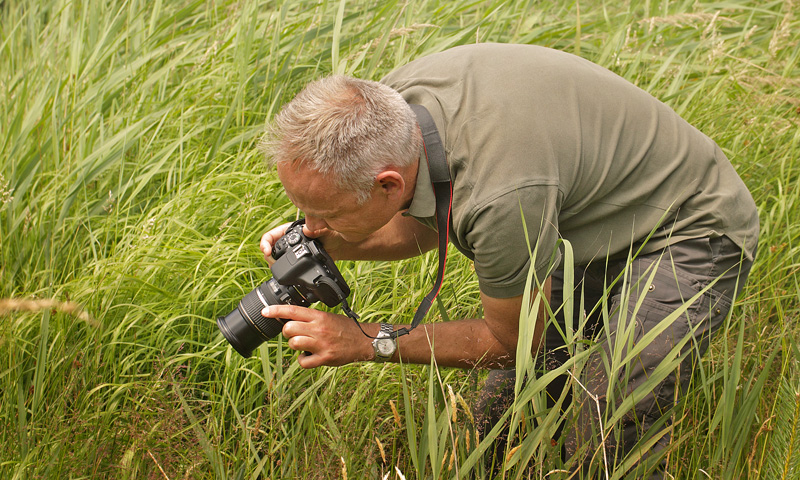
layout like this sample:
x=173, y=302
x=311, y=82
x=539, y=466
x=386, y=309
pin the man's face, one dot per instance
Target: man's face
x=327, y=207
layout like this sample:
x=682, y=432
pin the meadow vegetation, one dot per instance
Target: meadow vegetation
x=132, y=199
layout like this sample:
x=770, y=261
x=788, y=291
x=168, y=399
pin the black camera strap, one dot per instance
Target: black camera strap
x=443, y=192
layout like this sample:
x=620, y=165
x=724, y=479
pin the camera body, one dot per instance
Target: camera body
x=303, y=273
x=303, y=263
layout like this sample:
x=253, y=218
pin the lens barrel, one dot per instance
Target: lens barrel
x=245, y=328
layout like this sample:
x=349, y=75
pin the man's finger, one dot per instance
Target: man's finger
x=266, y=249
x=300, y=342
x=291, y=312
x=269, y=239
x=309, y=361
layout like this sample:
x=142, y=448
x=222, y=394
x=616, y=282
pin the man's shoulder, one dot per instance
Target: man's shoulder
x=462, y=59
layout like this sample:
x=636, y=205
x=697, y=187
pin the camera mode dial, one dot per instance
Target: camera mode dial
x=293, y=237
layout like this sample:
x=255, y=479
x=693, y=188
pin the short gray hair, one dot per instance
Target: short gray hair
x=347, y=128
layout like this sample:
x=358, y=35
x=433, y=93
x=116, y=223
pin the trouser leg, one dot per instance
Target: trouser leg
x=494, y=399
x=633, y=308
x=497, y=393
x=642, y=317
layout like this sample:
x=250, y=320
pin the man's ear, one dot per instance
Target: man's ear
x=391, y=182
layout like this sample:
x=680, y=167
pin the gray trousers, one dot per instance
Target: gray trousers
x=682, y=270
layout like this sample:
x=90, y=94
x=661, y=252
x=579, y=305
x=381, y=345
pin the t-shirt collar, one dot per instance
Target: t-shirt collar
x=423, y=204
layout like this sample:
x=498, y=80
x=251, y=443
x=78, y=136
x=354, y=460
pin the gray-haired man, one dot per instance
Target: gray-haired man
x=537, y=141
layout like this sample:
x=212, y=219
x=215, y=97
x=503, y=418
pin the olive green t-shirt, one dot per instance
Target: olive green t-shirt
x=573, y=149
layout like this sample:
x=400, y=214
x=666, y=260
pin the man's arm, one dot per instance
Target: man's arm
x=403, y=237
x=488, y=342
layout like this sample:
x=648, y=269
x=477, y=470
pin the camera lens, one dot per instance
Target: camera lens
x=245, y=328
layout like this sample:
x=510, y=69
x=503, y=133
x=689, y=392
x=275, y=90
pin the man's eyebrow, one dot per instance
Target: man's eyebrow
x=318, y=214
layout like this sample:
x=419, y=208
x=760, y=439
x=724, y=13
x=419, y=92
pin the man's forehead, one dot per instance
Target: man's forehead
x=311, y=191
x=294, y=165
x=298, y=175
x=298, y=163
x=311, y=203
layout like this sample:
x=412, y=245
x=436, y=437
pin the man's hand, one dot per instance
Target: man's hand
x=326, y=338
x=331, y=240
x=269, y=239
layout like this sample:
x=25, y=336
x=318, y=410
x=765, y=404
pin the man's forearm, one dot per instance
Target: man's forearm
x=466, y=343
x=488, y=342
x=333, y=339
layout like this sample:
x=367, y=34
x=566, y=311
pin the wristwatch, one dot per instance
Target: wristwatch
x=384, y=344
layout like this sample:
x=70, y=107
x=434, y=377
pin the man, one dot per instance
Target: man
x=536, y=141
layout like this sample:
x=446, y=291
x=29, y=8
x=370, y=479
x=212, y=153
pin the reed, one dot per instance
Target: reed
x=132, y=198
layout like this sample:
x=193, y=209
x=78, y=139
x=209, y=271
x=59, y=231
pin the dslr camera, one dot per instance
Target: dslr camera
x=303, y=273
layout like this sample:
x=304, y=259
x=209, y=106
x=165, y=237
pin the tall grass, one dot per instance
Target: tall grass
x=132, y=198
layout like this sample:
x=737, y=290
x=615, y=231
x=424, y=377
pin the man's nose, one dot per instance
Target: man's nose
x=315, y=223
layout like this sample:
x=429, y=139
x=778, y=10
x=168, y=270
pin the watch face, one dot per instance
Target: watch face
x=385, y=347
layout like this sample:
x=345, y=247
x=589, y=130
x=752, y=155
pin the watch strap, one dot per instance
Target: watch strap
x=386, y=330
x=384, y=335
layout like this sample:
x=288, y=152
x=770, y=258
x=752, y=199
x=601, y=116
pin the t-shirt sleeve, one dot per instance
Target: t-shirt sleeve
x=509, y=231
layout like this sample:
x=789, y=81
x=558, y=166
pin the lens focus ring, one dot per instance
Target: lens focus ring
x=251, y=306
